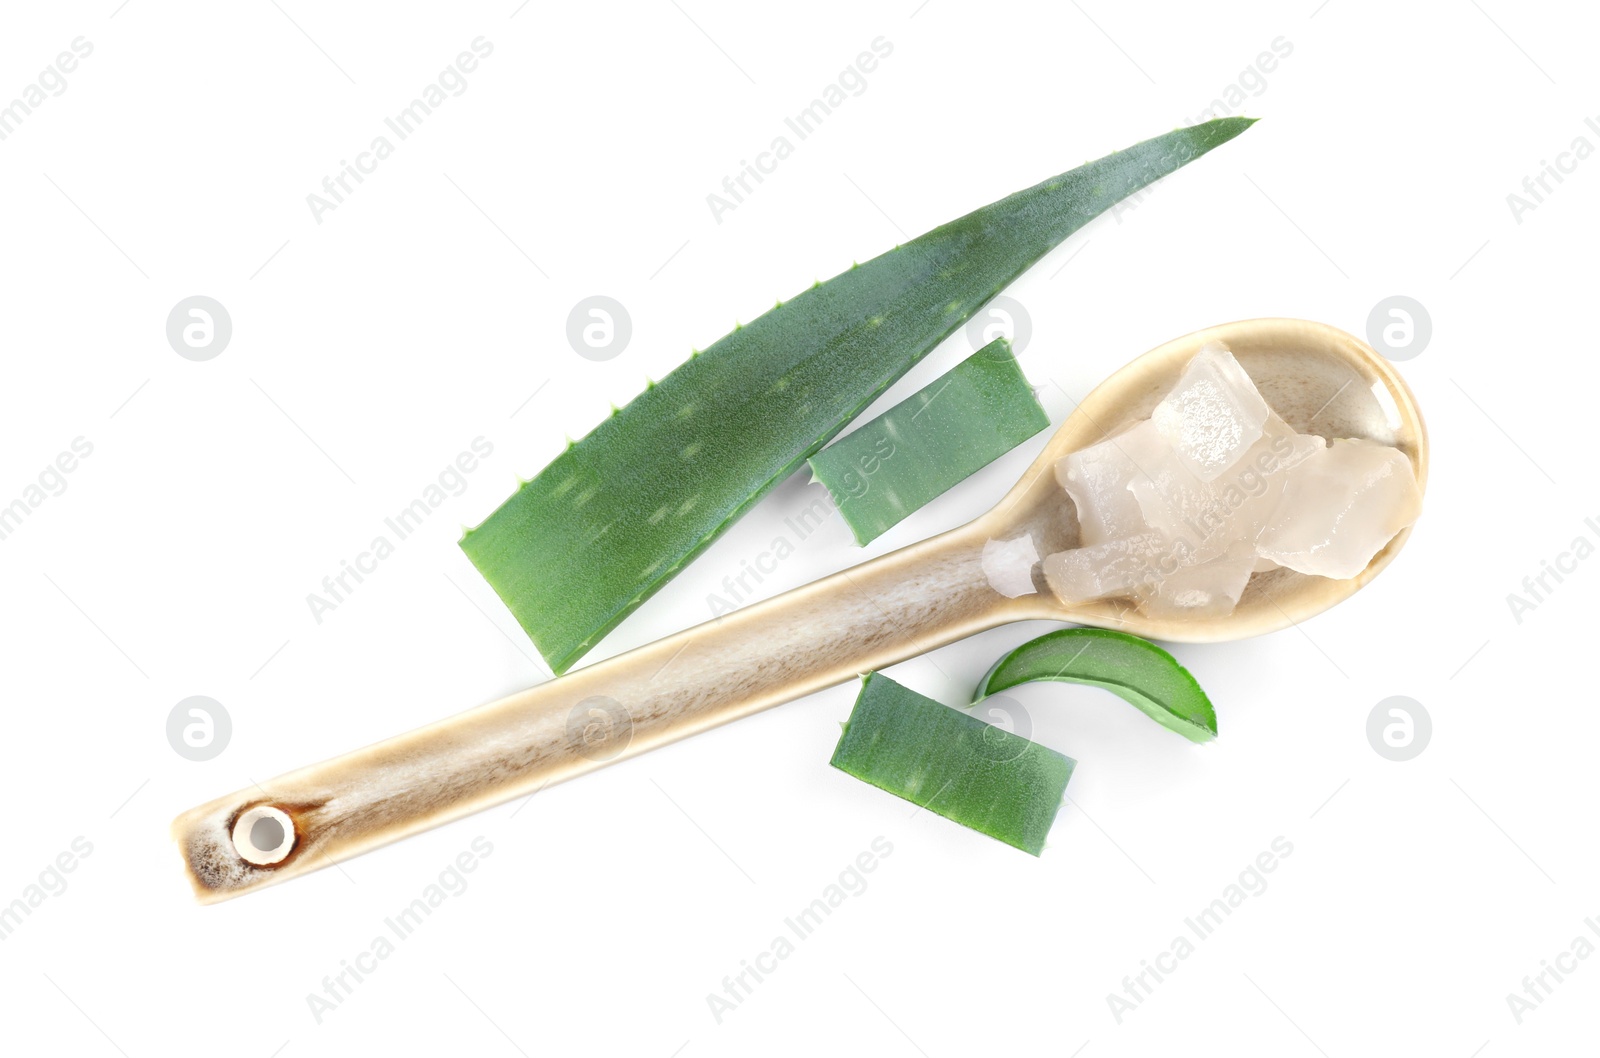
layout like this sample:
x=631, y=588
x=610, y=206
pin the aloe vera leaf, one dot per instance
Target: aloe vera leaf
x=917, y=450
x=953, y=764
x=615, y=515
x=1134, y=669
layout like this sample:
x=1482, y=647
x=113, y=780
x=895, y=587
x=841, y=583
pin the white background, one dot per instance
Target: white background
x=369, y=349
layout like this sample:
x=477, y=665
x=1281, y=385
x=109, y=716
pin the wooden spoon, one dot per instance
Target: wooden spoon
x=1319, y=379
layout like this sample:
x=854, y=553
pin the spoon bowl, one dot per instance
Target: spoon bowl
x=1319, y=379
x=873, y=615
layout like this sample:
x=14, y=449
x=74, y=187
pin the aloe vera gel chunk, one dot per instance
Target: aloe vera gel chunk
x=1178, y=512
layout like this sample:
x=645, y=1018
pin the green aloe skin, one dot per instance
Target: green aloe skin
x=953, y=764
x=1134, y=669
x=612, y=518
x=959, y=423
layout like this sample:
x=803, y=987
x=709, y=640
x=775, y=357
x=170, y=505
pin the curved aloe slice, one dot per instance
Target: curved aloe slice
x=613, y=517
x=917, y=450
x=1131, y=668
x=948, y=762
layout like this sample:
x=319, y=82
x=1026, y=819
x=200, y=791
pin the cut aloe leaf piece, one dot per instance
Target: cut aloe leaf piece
x=917, y=450
x=617, y=514
x=1134, y=669
x=953, y=764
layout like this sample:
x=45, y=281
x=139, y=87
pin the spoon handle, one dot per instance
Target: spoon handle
x=865, y=618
